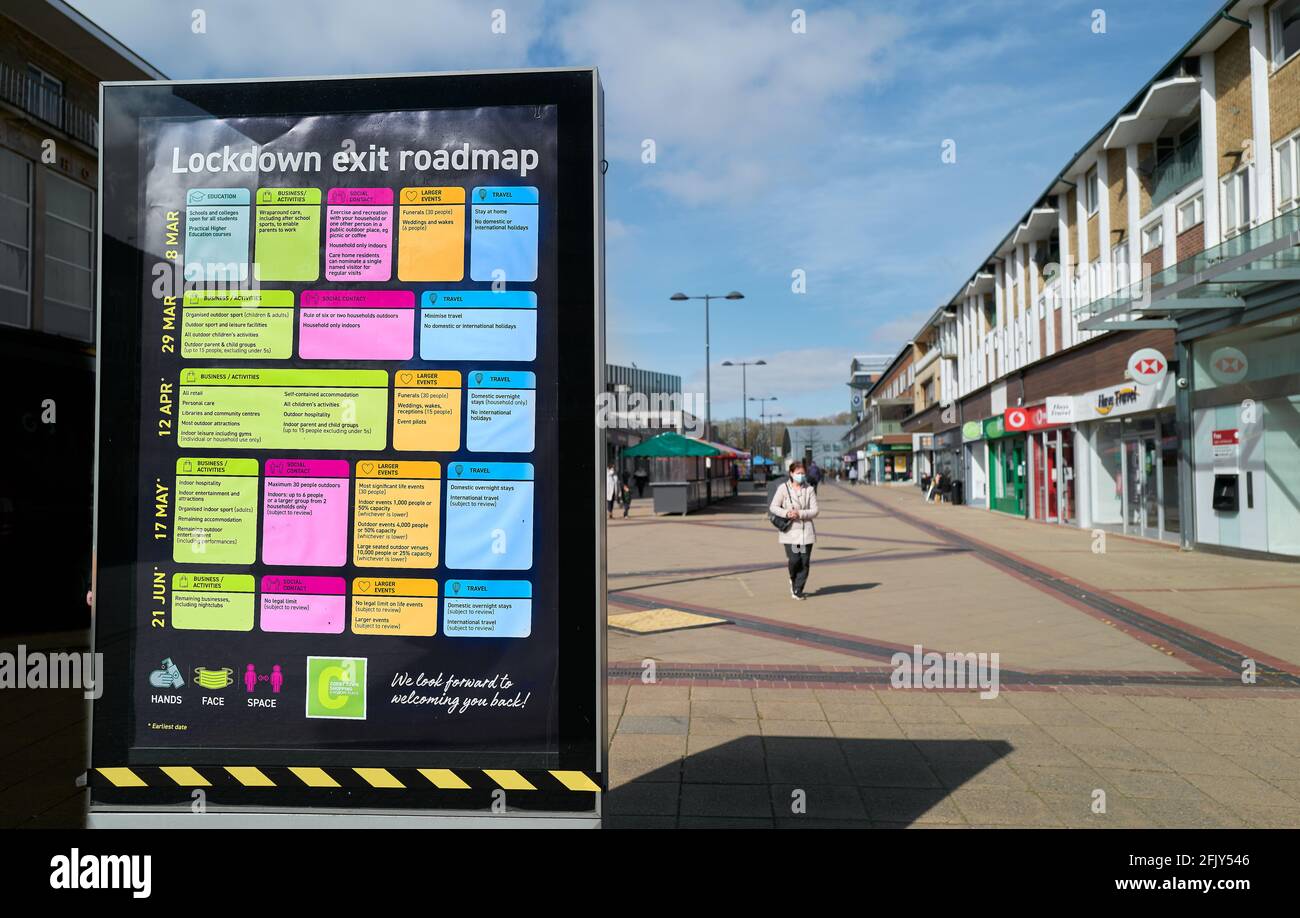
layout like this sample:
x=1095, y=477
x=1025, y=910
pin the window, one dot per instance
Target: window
x=15, y=239
x=1153, y=236
x=1190, y=213
x=1285, y=30
x=1285, y=156
x=1236, y=202
x=69, y=258
x=1092, y=189
x=45, y=95
x=1122, y=271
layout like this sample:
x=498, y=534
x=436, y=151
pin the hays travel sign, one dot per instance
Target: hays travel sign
x=1125, y=398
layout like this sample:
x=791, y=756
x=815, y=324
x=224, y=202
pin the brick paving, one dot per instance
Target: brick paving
x=1129, y=709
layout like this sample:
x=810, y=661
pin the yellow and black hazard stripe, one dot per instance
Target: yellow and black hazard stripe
x=313, y=777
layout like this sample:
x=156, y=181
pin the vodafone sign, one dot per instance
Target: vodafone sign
x=1147, y=367
x=1033, y=417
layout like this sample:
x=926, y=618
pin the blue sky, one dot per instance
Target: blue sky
x=775, y=151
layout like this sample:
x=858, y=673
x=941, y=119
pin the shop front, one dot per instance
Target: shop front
x=1051, y=458
x=1008, y=468
x=1131, y=439
x=948, y=462
x=891, y=461
x=1245, y=443
x=923, y=459
x=975, y=489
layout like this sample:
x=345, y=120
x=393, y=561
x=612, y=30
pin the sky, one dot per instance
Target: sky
x=777, y=153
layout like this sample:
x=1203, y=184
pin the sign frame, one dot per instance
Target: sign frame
x=135, y=787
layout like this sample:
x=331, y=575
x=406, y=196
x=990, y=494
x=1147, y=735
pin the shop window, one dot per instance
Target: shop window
x=69, y=258
x=15, y=239
x=1285, y=30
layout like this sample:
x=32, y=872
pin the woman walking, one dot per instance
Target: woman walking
x=611, y=490
x=796, y=500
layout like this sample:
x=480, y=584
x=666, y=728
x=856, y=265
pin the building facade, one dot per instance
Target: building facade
x=1124, y=358
x=52, y=60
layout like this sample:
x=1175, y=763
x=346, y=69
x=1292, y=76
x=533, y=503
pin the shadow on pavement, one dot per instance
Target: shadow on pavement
x=765, y=781
x=843, y=588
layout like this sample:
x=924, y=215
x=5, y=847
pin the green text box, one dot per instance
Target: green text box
x=308, y=409
x=287, y=235
x=201, y=610
x=237, y=332
x=216, y=514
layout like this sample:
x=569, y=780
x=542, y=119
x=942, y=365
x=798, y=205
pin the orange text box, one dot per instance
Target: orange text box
x=426, y=410
x=400, y=606
x=396, y=514
x=431, y=234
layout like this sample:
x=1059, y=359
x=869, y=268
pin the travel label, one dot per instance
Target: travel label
x=357, y=325
x=397, y=607
x=478, y=325
x=212, y=602
x=287, y=234
x=283, y=409
x=488, y=608
x=395, y=521
x=503, y=234
x=359, y=235
x=501, y=410
x=303, y=605
x=216, y=234
x=216, y=511
x=240, y=324
x=490, y=515
x=305, y=512
x=426, y=410
x=431, y=234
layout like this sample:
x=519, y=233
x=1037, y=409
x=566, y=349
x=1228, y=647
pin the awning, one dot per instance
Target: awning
x=1217, y=278
x=675, y=445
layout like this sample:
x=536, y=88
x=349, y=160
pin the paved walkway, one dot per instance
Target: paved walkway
x=1121, y=701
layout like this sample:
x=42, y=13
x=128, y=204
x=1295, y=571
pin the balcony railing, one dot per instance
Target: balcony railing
x=48, y=105
x=1177, y=170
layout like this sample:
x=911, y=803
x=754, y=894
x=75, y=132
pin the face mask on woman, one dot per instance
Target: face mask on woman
x=799, y=477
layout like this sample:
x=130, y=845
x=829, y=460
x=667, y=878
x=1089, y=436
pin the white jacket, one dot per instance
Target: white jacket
x=611, y=485
x=804, y=499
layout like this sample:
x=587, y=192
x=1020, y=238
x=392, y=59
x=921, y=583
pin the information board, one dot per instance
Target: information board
x=349, y=544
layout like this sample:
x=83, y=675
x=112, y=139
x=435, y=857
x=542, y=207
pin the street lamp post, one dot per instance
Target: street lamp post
x=708, y=393
x=762, y=413
x=744, y=414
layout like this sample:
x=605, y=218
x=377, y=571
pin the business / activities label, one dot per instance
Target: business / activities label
x=287, y=234
x=336, y=688
x=216, y=234
x=490, y=515
x=501, y=411
x=478, y=325
x=216, y=511
x=242, y=324
x=212, y=602
x=397, y=607
x=283, y=409
x=488, y=609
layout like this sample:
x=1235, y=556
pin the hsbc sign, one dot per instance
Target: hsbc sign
x=1147, y=367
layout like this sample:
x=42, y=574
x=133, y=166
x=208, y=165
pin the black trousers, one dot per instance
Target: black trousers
x=798, y=564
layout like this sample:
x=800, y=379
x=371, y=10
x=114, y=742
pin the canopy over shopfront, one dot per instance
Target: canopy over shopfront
x=686, y=475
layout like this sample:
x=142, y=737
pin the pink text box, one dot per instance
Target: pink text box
x=356, y=325
x=303, y=614
x=305, y=516
x=359, y=234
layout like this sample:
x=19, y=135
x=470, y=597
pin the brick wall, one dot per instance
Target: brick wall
x=1144, y=152
x=1094, y=232
x=1190, y=242
x=1097, y=363
x=1116, y=164
x=1232, y=99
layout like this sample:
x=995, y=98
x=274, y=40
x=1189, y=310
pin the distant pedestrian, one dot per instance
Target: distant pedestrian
x=796, y=500
x=641, y=476
x=853, y=475
x=625, y=494
x=814, y=474
x=611, y=489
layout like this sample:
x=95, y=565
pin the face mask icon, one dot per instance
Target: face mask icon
x=168, y=675
x=214, y=678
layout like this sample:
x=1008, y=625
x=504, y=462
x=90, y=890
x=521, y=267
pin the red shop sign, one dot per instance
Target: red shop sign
x=1033, y=417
